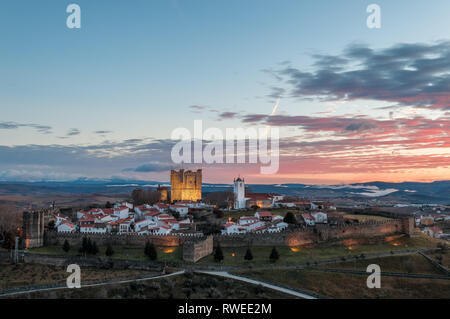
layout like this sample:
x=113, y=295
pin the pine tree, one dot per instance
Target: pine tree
x=248, y=254
x=94, y=248
x=218, y=254
x=66, y=246
x=109, y=250
x=89, y=246
x=290, y=218
x=150, y=251
x=274, y=256
x=84, y=246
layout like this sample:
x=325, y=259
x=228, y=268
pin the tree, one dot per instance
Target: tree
x=290, y=218
x=66, y=246
x=84, y=246
x=109, y=250
x=150, y=251
x=248, y=254
x=94, y=248
x=274, y=256
x=218, y=254
x=51, y=225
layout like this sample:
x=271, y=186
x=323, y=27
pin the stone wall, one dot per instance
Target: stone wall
x=295, y=237
x=55, y=238
x=196, y=250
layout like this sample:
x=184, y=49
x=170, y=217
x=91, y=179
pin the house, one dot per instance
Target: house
x=60, y=219
x=152, y=214
x=427, y=221
x=93, y=228
x=232, y=228
x=320, y=217
x=161, y=207
x=309, y=220
x=264, y=216
x=257, y=226
x=123, y=204
x=121, y=212
x=121, y=226
x=261, y=200
x=180, y=209
x=433, y=231
x=66, y=227
x=145, y=223
x=244, y=220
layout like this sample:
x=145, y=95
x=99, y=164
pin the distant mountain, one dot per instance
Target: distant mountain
x=407, y=192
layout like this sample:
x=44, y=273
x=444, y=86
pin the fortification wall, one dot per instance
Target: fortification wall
x=194, y=251
x=55, y=238
x=296, y=237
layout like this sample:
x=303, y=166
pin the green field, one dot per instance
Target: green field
x=165, y=254
x=409, y=264
x=302, y=255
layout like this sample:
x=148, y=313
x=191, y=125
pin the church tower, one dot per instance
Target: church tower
x=239, y=193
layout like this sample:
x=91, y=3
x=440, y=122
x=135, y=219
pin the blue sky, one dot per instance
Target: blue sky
x=135, y=67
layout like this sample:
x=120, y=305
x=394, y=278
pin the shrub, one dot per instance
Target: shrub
x=66, y=246
x=274, y=256
x=109, y=250
x=218, y=254
x=248, y=255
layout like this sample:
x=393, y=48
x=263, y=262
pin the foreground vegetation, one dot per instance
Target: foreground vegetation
x=186, y=286
x=345, y=286
x=21, y=275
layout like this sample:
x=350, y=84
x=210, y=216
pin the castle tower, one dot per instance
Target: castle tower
x=164, y=193
x=33, y=229
x=239, y=193
x=185, y=185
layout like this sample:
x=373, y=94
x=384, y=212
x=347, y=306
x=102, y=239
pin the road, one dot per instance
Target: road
x=288, y=291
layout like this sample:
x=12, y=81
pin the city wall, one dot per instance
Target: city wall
x=295, y=237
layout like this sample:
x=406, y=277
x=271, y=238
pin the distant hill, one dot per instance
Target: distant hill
x=407, y=192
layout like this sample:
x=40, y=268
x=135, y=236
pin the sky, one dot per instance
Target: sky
x=355, y=104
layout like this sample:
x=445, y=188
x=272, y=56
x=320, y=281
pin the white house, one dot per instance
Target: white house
x=232, y=228
x=121, y=212
x=66, y=227
x=180, y=209
x=244, y=220
x=309, y=220
x=320, y=218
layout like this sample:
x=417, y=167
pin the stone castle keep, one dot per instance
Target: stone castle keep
x=33, y=229
x=186, y=185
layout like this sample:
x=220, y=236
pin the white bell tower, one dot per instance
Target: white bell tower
x=239, y=193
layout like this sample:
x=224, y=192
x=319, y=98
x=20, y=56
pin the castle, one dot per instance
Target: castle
x=185, y=185
x=33, y=228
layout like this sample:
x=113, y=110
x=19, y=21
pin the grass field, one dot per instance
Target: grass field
x=165, y=254
x=410, y=264
x=336, y=285
x=301, y=255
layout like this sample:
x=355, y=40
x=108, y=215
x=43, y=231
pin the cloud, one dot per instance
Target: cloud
x=44, y=129
x=227, y=115
x=150, y=167
x=73, y=132
x=407, y=74
x=102, y=132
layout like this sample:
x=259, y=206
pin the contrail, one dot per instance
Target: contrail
x=273, y=113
